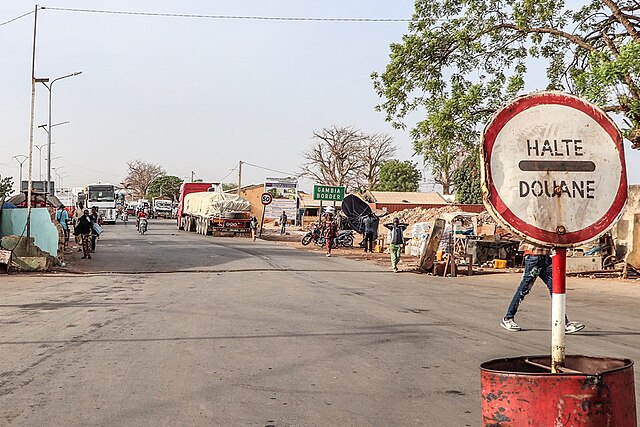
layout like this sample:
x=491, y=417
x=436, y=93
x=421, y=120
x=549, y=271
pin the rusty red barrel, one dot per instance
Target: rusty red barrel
x=590, y=392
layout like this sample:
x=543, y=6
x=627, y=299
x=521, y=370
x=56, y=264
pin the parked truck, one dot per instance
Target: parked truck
x=205, y=209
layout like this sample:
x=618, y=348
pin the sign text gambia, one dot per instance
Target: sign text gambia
x=556, y=155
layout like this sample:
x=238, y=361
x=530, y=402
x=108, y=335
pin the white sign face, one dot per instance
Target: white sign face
x=554, y=169
x=285, y=194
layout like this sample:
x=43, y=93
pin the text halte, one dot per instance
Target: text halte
x=554, y=147
x=553, y=188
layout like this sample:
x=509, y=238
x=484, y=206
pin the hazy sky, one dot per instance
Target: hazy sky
x=195, y=94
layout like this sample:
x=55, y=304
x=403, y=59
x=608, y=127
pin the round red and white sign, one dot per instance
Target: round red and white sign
x=266, y=199
x=553, y=169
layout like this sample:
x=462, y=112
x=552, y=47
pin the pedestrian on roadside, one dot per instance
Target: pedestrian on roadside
x=77, y=214
x=537, y=263
x=370, y=224
x=283, y=222
x=84, y=229
x=62, y=217
x=329, y=231
x=95, y=219
x=396, y=241
x=254, y=227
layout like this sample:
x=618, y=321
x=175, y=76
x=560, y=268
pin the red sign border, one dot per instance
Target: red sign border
x=270, y=198
x=497, y=123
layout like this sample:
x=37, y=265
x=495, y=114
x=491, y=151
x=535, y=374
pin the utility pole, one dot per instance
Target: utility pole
x=239, y=176
x=192, y=175
x=33, y=107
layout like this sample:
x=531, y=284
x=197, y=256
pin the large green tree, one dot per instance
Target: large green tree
x=399, y=176
x=166, y=185
x=462, y=59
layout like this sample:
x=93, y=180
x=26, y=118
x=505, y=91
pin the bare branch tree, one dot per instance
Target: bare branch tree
x=334, y=158
x=376, y=149
x=141, y=175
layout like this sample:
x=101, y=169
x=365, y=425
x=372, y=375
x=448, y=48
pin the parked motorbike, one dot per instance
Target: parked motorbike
x=345, y=238
x=142, y=226
x=312, y=236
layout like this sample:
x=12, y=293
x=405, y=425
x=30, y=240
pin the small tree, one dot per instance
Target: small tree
x=399, y=176
x=141, y=175
x=167, y=185
x=6, y=186
x=228, y=186
x=467, y=180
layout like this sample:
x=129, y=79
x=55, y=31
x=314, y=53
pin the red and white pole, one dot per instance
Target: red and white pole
x=558, y=308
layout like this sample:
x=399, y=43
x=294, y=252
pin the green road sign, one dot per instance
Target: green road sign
x=328, y=192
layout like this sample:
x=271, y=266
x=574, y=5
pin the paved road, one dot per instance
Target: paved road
x=269, y=336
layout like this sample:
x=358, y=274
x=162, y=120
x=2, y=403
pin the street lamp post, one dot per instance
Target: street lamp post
x=20, y=158
x=49, y=87
x=40, y=147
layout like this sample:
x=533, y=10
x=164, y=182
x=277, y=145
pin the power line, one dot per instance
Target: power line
x=227, y=175
x=16, y=18
x=228, y=17
x=270, y=170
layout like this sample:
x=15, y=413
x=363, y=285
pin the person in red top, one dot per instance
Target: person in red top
x=330, y=230
x=141, y=214
x=537, y=263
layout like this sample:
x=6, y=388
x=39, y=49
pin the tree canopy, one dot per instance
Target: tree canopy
x=399, y=176
x=462, y=59
x=166, y=185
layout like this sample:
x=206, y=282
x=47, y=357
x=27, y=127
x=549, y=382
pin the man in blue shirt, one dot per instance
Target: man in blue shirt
x=63, y=218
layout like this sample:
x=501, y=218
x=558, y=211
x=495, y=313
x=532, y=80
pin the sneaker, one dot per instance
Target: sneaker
x=328, y=255
x=395, y=270
x=573, y=327
x=510, y=325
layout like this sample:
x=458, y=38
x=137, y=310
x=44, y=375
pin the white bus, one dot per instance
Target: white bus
x=103, y=197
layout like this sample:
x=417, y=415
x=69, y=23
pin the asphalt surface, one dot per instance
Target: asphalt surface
x=174, y=328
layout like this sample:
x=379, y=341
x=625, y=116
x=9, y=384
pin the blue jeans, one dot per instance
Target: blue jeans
x=534, y=266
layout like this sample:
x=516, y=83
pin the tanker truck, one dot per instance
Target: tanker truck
x=213, y=212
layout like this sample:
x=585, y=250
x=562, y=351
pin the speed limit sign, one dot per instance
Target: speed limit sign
x=266, y=199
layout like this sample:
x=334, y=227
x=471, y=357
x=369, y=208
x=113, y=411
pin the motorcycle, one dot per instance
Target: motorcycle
x=344, y=239
x=142, y=226
x=312, y=236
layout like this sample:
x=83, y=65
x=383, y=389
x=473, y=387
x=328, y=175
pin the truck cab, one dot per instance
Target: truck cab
x=193, y=187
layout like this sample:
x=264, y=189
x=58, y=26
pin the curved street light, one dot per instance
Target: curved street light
x=49, y=87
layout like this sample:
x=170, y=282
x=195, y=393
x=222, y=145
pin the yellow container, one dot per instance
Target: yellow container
x=439, y=255
x=499, y=263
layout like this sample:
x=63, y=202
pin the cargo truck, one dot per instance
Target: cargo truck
x=205, y=209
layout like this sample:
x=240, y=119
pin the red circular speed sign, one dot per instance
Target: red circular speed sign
x=553, y=169
x=266, y=199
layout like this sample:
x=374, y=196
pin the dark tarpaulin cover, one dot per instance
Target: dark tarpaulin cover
x=356, y=210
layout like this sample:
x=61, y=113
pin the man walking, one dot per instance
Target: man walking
x=254, y=227
x=283, y=222
x=95, y=219
x=396, y=241
x=537, y=263
x=84, y=229
x=63, y=218
x=370, y=224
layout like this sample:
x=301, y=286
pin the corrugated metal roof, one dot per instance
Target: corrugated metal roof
x=396, y=197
